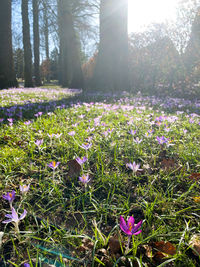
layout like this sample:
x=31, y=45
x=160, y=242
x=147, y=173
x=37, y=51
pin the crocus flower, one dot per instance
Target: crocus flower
x=148, y=135
x=150, y=131
x=27, y=122
x=86, y=146
x=162, y=140
x=24, y=188
x=39, y=142
x=10, y=121
x=137, y=140
x=58, y=135
x=84, y=179
x=132, y=132
x=10, y=197
x=53, y=165
x=38, y=114
x=133, y=166
x=51, y=135
x=14, y=218
x=81, y=161
x=130, y=228
x=72, y=133
x=26, y=265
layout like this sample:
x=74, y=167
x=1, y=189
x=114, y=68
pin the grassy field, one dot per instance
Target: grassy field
x=142, y=159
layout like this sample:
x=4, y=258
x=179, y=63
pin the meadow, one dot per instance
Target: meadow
x=75, y=167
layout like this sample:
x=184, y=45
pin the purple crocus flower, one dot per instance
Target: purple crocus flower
x=130, y=228
x=10, y=121
x=26, y=265
x=1, y=119
x=24, y=188
x=134, y=167
x=10, y=196
x=58, y=135
x=39, y=142
x=27, y=122
x=81, y=161
x=72, y=133
x=53, y=165
x=137, y=140
x=38, y=114
x=162, y=140
x=132, y=132
x=86, y=146
x=14, y=218
x=84, y=179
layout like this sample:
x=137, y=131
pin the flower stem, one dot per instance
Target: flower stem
x=16, y=228
x=128, y=244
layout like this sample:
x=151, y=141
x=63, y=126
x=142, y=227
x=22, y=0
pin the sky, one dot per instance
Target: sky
x=145, y=12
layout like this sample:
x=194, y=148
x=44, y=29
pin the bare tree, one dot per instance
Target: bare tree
x=71, y=72
x=7, y=75
x=27, y=45
x=112, y=70
x=36, y=42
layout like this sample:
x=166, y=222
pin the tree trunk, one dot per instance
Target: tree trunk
x=36, y=42
x=7, y=74
x=27, y=45
x=46, y=39
x=72, y=75
x=112, y=71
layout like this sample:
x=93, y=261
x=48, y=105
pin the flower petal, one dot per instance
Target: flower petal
x=137, y=226
x=131, y=221
x=8, y=216
x=23, y=215
x=7, y=221
x=5, y=197
x=123, y=225
x=137, y=233
x=14, y=215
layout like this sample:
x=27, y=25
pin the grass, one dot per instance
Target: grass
x=69, y=224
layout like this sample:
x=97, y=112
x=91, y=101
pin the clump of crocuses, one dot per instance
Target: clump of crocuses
x=13, y=217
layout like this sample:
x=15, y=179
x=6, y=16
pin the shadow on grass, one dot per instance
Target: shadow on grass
x=29, y=110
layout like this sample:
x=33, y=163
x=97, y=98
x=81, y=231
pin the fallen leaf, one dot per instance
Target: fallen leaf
x=114, y=245
x=165, y=247
x=195, y=176
x=87, y=245
x=74, y=168
x=168, y=164
x=158, y=257
x=195, y=244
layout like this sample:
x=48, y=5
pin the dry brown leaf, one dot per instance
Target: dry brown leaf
x=195, y=176
x=114, y=245
x=74, y=168
x=158, y=257
x=165, y=247
x=195, y=244
x=148, y=251
x=168, y=164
